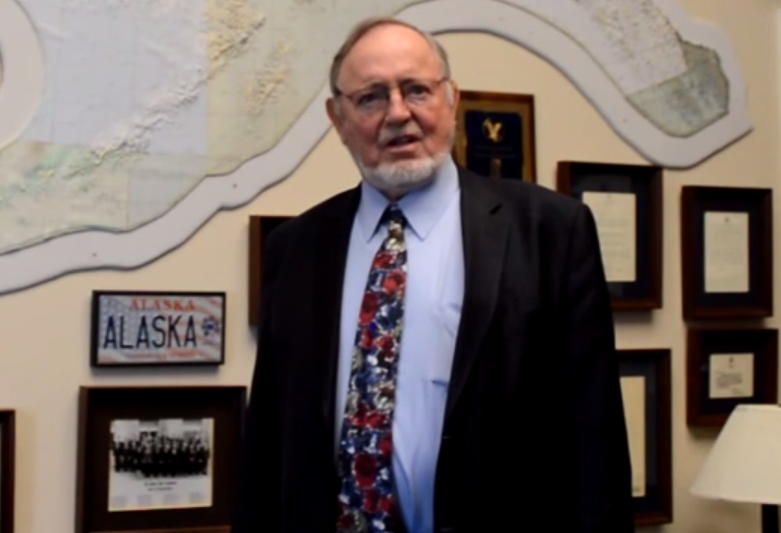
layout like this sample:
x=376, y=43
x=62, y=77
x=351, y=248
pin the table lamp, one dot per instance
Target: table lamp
x=744, y=464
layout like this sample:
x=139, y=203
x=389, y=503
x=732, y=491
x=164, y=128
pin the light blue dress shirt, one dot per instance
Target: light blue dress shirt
x=432, y=312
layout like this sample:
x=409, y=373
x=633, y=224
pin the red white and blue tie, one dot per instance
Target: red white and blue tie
x=366, y=499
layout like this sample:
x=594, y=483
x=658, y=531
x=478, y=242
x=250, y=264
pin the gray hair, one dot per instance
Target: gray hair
x=363, y=28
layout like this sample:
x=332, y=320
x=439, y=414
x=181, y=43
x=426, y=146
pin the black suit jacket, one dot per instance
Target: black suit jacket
x=534, y=435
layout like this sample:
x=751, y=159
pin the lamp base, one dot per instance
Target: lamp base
x=769, y=518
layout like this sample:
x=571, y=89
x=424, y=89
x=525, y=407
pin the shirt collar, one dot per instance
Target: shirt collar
x=422, y=207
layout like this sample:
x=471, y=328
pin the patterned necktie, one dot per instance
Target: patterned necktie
x=366, y=500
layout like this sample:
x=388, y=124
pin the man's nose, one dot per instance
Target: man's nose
x=398, y=111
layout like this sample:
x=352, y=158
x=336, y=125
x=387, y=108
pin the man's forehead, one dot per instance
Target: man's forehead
x=390, y=52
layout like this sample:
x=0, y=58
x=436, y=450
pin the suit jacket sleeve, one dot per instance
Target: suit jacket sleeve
x=258, y=500
x=602, y=464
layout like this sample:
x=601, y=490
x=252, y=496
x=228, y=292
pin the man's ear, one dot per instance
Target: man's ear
x=335, y=115
x=456, y=96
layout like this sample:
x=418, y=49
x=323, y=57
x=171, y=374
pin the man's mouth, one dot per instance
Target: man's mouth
x=402, y=140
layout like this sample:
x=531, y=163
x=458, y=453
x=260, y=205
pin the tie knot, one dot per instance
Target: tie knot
x=394, y=216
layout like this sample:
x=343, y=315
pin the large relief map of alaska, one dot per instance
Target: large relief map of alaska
x=122, y=121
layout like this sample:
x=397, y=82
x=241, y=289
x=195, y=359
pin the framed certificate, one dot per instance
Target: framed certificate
x=626, y=202
x=726, y=367
x=259, y=228
x=495, y=135
x=726, y=252
x=7, y=469
x=157, y=458
x=645, y=388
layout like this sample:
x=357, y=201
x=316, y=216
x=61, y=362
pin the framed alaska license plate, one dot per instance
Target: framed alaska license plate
x=157, y=328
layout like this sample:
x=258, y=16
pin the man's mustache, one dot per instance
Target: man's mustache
x=388, y=134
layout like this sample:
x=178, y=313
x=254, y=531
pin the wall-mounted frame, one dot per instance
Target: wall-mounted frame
x=7, y=469
x=726, y=252
x=726, y=367
x=259, y=228
x=626, y=201
x=495, y=135
x=645, y=385
x=127, y=476
x=157, y=328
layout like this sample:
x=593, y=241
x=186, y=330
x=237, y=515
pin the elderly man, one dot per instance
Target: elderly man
x=436, y=349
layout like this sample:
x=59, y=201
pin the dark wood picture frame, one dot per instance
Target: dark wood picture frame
x=100, y=407
x=643, y=291
x=729, y=303
x=259, y=228
x=182, y=328
x=495, y=135
x=655, y=506
x=705, y=407
x=7, y=469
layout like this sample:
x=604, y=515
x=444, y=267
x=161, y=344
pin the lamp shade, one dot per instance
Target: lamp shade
x=745, y=462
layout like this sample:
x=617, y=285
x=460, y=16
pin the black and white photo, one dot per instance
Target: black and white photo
x=160, y=464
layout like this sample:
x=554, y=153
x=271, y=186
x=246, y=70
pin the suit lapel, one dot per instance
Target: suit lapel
x=484, y=227
x=332, y=246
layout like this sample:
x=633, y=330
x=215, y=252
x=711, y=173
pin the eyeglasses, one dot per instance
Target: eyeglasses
x=376, y=98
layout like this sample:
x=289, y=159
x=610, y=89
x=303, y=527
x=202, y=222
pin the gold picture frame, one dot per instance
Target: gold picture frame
x=495, y=135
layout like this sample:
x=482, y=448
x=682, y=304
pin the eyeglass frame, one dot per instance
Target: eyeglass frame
x=351, y=96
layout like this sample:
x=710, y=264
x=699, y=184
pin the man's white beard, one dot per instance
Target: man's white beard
x=396, y=179
x=401, y=177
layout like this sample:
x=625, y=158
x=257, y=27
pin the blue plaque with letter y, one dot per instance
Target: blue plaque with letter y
x=493, y=144
x=495, y=135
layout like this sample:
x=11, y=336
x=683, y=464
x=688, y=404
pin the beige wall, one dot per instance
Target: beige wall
x=44, y=331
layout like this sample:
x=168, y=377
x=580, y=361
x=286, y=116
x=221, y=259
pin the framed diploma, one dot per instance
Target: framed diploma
x=726, y=367
x=495, y=135
x=7, y=469
x=645, y=388
x=626, y=202
x=157, y=459
x=726, y=252
x=259, y=228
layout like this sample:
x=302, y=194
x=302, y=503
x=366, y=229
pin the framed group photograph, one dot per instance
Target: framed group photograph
x=645, y=388
x=158, y=458
x=7, y=469
x=157, y=328
x=727, y=367
x=259, y=228
x=727, y=252
x=495, y=135
x=626, y=201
